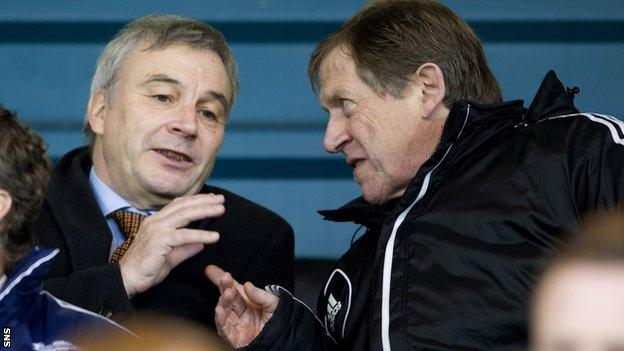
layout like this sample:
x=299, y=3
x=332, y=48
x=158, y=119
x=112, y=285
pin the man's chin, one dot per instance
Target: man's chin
x=377, y=196
x=372, y=197
x=169, y=190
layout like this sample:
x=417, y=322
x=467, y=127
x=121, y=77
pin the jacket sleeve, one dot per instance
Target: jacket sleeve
x=596, y=163
x=292, y=327
x=98, y=289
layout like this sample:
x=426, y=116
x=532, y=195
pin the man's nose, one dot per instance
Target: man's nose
x=185, y=121
x=336, y=134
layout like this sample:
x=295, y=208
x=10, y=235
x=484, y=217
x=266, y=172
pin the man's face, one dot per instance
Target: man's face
x=160, y=131
x=580, y=307
x=383, y=138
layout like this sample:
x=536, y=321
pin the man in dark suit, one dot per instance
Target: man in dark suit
x=131, y=215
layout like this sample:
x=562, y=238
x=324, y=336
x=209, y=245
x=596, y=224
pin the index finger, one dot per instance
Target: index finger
x=193, y=200
x=216, y=275
x=181, y=216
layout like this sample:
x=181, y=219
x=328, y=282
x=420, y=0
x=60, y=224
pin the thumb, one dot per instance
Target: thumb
x=265, y=300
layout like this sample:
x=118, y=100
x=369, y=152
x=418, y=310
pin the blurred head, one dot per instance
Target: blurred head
x=154, y=333
x=23, y=180
x=387, y=79
x=160, y=97
x=579, y=303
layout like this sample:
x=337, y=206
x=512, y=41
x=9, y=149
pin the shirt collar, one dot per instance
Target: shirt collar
x=2, y=280
x=108, y=200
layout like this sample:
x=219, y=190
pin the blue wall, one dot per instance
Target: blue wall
x=272, y=151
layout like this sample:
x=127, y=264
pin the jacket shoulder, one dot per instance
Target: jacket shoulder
x=576, y=129
x=245, y=211
x=585, y=122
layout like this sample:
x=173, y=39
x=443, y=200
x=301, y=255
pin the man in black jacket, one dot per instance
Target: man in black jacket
x=131, y=215
x=462, y=193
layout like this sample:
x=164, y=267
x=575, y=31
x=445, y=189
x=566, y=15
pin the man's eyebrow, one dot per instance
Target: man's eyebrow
x=210, y=95
x=215, y=95
x=327, y=100
x=160, y=78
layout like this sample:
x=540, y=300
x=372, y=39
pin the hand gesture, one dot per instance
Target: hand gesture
x=243, y=310
x=163, y=242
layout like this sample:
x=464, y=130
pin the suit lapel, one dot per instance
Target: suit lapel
x=78, y=215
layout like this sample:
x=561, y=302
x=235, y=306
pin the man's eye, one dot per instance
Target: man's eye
x=162, y=98
x=208, y=114
x=347, y=106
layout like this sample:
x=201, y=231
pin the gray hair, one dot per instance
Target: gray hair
x=160, y=31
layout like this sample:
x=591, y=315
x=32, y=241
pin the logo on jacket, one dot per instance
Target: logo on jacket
x=333, y=307
x=337, y=298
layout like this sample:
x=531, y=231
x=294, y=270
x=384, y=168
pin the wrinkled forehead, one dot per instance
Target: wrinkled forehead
x=337, y=61
x=151, y=47
x=336, y=68
x=213, y=61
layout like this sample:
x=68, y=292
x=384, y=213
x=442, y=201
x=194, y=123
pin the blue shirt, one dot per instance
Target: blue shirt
x=109, y=202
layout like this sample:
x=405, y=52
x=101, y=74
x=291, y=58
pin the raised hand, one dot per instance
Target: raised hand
x=242, y=310
x=163, y=242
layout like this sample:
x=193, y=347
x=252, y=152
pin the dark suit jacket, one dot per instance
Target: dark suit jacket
x=256, y=245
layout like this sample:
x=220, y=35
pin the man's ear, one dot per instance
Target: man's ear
x=430, y=80
x=5, y=203
x=96, y=110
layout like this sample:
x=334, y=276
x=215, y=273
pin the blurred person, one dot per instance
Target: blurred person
x=156, y=333
x=579, y=302
x=31, y=318
x=462, y=193
x=131, y=213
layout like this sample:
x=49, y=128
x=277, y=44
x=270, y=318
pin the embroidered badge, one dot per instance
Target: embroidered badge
x=333, y=307
x=336, y=303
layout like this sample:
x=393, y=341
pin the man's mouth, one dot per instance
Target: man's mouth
x=176, y=156
x=355, y=162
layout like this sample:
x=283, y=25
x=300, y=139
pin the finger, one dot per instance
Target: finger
x=223, y=280
x=226, y=302
x=220, y=318
x=263, y=299
x=182, y=216
x=233, y=296
x=192, y=200
x=238, y=304
x=186, y=236
x=214, y=274
x=221, y=321
x=181, y=253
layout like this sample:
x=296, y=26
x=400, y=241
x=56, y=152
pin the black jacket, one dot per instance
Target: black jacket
x=255, y=245
x=471, y=232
